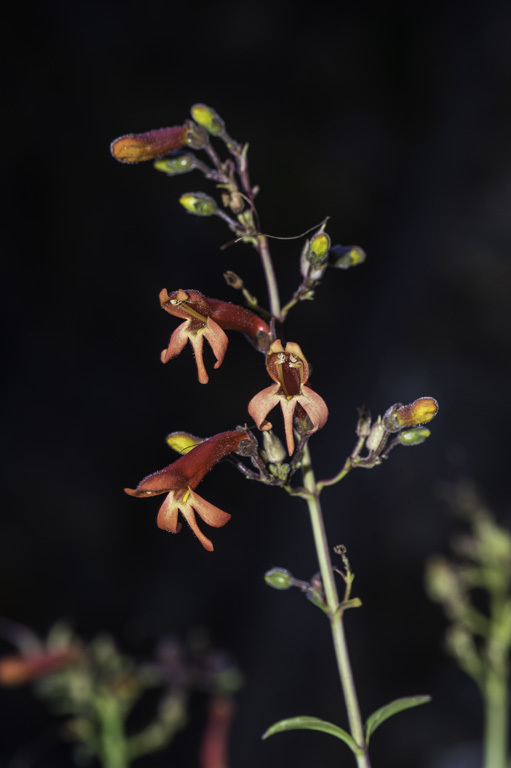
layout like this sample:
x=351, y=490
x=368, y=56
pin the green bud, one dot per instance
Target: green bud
x=173, y=166
x=376, y=435
x=344, y=257
x=413, y=436
x=279, y=578
x=198, y=203
x=275, y=451
x=208, y=119
x=196, y=137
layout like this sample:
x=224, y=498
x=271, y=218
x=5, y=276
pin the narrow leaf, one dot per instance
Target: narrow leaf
x=304, y=722
x=382, y=714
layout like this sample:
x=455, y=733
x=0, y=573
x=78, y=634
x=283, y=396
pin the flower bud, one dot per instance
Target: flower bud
x=196, y=137
x=421, y=411
x=376, y=435
x=413, y=436
x=364, y=422
x=182, y=442
x=208, y=119
x=275, y=451
x=344, y=257
x=173, y=166
x=313, y=257
x=198, y=203
x=318, y=248
x=279, y=578
x=139, y=147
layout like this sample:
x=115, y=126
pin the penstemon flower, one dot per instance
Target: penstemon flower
x=180, y=479
x=19, y=669
x=140, y=147
x=206, y=319
x=290, y=370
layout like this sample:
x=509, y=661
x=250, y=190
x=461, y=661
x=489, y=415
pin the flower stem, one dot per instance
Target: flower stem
x=261, y=244
x=336, y=617
x=495, y=686
x=495, y=727
x=269, y=273
x=112, y=738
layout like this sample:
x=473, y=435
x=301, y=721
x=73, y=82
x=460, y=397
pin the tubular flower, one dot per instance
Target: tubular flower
x=208, y=318
x=179, y=481
x=140, y=147
x=20, y=669
x=289, y=369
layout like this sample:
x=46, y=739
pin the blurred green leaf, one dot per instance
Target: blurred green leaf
x=307, y=723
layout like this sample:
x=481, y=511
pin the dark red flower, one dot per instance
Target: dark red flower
x=179, y=481
x=290, y=370
x=208, y=319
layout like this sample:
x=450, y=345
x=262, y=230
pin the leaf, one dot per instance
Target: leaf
x=307, y=723
x=398, y=705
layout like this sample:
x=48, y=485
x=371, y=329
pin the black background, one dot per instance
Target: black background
x=393, y=119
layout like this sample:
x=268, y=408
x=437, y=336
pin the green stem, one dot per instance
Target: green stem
x=261, y=246
x=336, y=623
x=495, y=726
x=269, y=273
x=112, y=738
x=495, y=688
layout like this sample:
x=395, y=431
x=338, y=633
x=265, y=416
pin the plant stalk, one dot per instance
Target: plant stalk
x=332, y=599
x=112, y=747
x=321, y=543
x=269, y=273
x=495, y=726
x=495, y=687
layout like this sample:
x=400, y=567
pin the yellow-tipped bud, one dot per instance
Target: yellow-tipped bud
x=319, y=247
x=182, y=442
x=173, y=166
x=140, y=147
x=208, y=119
x=421, y=411
x=345, y=257
x=198, y=203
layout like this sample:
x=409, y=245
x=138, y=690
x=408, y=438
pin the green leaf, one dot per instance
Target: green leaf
x=304, y=722
x=382, y=714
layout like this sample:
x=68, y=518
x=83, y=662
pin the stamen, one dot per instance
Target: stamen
x=185, y=497
x=295, y=362
x=193, y=312
x=280, y=374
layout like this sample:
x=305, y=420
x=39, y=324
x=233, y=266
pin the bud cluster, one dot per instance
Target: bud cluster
x=403, y=421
